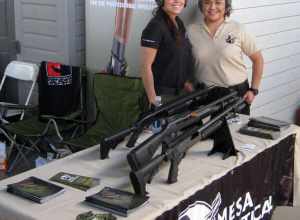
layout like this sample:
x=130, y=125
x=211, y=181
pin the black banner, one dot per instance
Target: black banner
x=248, y=192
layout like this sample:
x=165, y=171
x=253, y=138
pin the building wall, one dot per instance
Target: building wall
x=276, y=25
x=78, y=34
x=50, y=30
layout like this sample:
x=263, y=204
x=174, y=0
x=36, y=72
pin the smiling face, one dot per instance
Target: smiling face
x=173, y=7
x=213, y=10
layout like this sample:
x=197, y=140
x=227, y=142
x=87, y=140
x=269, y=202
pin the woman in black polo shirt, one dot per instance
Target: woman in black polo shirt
x=166, y=53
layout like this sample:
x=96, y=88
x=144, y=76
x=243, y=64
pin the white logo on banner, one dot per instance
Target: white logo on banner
x=138, y=4
x=201, y=210
x=134, y=4
x=243, y=208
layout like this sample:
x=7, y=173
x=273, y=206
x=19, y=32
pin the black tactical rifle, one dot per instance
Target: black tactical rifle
x=145, y=161
x=143, y=153
x=184, y=103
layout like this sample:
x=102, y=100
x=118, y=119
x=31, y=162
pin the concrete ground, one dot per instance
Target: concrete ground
x=286, y=213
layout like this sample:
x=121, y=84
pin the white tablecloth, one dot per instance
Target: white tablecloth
x=195, y=172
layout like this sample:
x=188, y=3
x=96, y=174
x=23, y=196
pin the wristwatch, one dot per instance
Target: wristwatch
x=255, y=91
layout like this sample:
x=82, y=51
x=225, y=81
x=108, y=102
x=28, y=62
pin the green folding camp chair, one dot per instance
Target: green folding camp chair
x=61, y=98
x=119, y=102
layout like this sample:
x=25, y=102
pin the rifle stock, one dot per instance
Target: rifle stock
x=140, y=177
x=178, y=154
x=111, y=142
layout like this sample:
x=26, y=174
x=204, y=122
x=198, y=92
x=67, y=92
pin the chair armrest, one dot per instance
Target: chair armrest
x=7, y=105
x=71, y=118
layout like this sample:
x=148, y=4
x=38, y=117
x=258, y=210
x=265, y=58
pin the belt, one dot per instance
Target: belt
x=167, y=91
x=243, y=85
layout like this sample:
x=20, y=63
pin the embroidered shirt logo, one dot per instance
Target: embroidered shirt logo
x=230, y=39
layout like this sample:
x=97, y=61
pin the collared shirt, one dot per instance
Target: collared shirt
x=219, y=59
x=172, y=65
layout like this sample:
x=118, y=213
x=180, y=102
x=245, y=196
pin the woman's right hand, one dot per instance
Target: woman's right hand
x=152, y=100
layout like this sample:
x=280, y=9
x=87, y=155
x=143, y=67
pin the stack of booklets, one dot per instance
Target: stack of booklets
x=76, y=181
x=116, y=201
x=264, y=127
x=35, y=189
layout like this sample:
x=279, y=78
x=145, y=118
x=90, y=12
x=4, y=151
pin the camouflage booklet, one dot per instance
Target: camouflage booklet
x=116, y=201
x=76, y=181
x=35, y=189
x=91, y=216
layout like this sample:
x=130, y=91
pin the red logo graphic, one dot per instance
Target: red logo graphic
x=53, y=69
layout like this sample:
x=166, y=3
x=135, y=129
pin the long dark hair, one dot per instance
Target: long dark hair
x=171, y=26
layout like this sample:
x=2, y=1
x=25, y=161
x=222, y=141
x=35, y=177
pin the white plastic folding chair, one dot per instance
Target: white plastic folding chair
x=20, y=71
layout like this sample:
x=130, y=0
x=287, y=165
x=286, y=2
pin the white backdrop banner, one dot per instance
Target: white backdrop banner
x=113, y=31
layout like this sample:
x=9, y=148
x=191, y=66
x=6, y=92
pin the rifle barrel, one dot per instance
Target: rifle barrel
x=165, y=111
x=123, y=133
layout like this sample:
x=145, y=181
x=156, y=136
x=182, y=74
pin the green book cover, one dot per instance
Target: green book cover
x=35, y=189
x=76, y=181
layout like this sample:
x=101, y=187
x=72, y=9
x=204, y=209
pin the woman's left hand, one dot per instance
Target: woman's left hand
x=188, y=87
x=249, y=97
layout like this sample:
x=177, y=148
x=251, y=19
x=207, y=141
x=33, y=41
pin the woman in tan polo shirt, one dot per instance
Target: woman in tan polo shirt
x=219, y=45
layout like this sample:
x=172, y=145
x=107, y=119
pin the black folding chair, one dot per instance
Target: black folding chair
x=61, y=99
